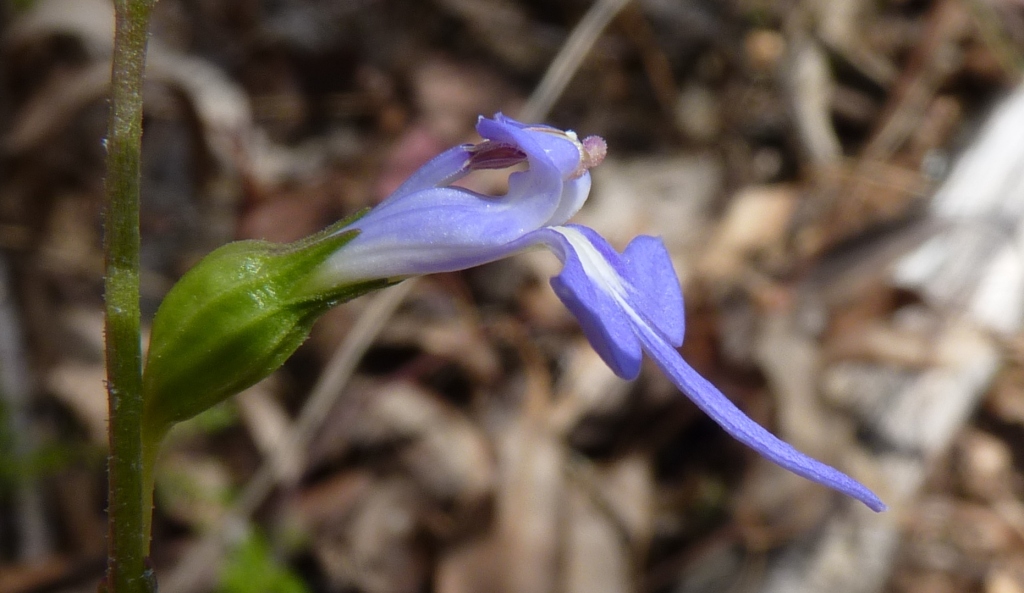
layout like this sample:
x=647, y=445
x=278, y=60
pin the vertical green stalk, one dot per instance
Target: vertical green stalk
x=128, y=537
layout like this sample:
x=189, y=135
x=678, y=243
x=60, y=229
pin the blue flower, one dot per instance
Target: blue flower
x=627, y=303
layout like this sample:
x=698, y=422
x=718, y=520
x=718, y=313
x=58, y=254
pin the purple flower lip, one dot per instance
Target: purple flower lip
x=494, y=155
x=627, y=303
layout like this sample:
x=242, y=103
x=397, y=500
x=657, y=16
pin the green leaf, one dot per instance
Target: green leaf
x=253, y=568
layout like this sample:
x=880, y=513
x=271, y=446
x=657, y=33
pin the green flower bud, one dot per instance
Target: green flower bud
x=232, y=320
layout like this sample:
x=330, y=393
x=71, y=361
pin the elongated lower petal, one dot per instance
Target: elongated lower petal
x=708, y=398
x=624, y=300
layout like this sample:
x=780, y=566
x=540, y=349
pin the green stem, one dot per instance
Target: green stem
x=128, y=537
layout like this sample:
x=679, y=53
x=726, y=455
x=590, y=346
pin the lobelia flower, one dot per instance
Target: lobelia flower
x=236, y=316
x=626, y=303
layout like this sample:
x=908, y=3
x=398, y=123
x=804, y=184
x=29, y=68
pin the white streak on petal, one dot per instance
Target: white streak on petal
x=603, y=274
x=596, y=267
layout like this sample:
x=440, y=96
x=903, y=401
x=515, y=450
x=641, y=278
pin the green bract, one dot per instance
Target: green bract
x=232, y=320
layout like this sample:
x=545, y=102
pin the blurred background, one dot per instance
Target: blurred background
x=841, y=186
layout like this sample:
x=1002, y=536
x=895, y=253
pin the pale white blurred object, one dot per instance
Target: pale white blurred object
x=976, y=263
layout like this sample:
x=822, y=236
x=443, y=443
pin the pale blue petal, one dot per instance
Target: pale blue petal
x=574, y=195
x=709, y=399
x=553, y=161
x=649, y=279
x=604, y=323
x=596, y=281
x=657, y=296
x=554, y=143
x=444, y=169
x=438, y=230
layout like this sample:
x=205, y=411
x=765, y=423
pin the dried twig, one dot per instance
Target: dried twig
x=568, y=60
